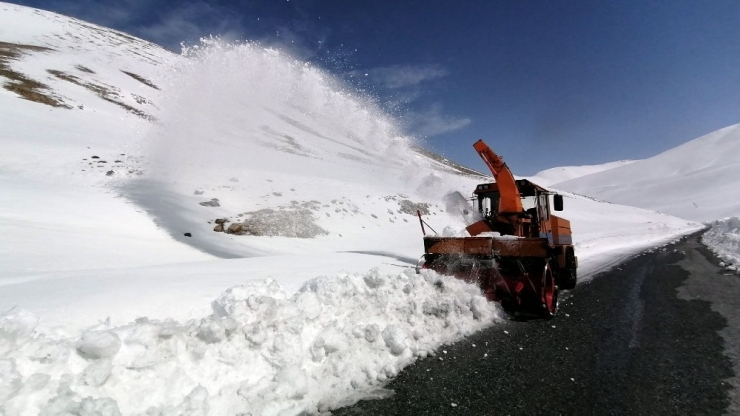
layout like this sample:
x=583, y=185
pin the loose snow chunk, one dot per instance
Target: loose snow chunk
x=309, y=305
x=16, y=324
x=329, y=341
x=292, y=383
x=195, y=403
x=395, y=339
x=11, y=380
x=372, y=332
x=374, y=279
x=97, y=372
x=98, y=344
x=243, y=303
x=67, y=402
x=449, y=231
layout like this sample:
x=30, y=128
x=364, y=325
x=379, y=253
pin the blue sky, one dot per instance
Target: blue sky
x=546, y=83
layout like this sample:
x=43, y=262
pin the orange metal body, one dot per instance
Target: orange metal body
x=472, y=246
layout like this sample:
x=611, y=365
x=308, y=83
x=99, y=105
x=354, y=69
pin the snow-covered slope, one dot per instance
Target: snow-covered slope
x=56, y=209
x=107, y=305
x=696, y=181
x=550, y=176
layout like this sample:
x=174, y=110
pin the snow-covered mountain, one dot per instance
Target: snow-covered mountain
x=550, y=176
x=696, y=181
x=120, y=164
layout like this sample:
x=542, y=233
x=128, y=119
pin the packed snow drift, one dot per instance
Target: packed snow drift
x=261, y=351
x=230, y=231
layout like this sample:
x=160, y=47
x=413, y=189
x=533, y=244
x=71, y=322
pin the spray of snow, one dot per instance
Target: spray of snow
x=232, y=105
x=457, y=205
x=250, y=125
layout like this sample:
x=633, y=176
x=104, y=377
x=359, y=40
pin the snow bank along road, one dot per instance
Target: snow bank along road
x=658, y=335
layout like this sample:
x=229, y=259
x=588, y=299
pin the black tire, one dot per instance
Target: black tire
x=509, y=306
x=567, y=279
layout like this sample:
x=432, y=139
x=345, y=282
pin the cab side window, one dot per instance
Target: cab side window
x=543, y=201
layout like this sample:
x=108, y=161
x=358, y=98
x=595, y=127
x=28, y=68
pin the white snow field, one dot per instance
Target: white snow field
x=550, y=176
x=692, y=181
x=107, y=307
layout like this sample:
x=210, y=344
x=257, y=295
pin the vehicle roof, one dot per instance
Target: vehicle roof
x=526, y=188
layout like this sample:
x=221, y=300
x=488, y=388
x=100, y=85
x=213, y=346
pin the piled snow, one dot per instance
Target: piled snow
x=723, y=238
x=692, y=181
x=181, y=291
x=261, y=351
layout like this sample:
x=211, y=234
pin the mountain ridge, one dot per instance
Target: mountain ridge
x=690, y=181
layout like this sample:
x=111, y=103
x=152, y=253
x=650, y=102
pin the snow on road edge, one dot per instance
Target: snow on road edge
x=335, y=341
x=723, y=238
x=614, y=255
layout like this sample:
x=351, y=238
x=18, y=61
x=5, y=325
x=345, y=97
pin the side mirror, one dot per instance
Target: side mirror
x=558, y=199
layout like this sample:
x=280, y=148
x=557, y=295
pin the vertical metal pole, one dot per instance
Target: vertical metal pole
x=421, y=222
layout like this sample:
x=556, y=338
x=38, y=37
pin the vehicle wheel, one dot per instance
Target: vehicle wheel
x=568, y=279
x=549, y=293
x=509, y=306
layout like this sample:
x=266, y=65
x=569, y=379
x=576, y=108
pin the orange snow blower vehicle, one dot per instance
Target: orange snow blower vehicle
x=518, y=252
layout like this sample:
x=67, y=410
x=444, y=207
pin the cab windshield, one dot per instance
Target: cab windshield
x=488, y=203
x=529, y=202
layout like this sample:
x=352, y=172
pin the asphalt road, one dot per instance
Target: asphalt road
x=656, y=336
